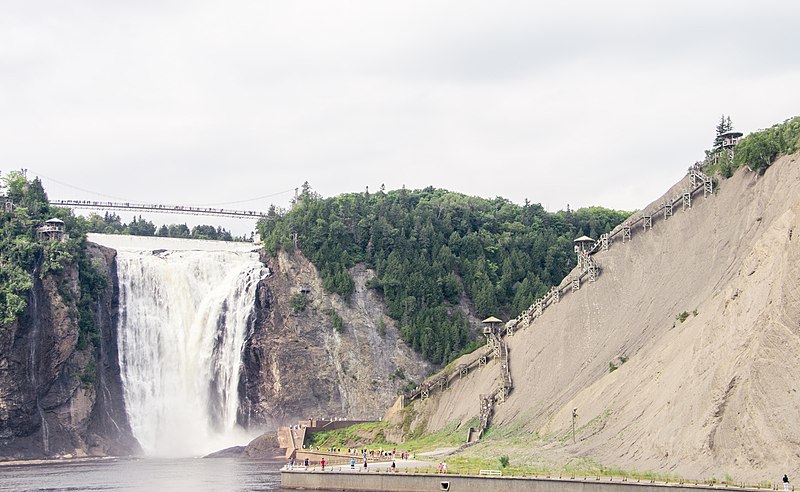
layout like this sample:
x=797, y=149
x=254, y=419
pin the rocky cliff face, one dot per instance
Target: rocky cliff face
x=298, y=364
x=59, y=397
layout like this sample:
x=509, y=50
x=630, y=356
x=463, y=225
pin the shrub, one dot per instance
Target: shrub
x=89, y=374
x=621, y=359
x=338, y=322
x=682, y=316
x=760, y=149
x=298, y=302
x=504, y=461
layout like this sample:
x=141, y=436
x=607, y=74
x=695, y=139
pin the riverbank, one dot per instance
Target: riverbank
x=57, y=461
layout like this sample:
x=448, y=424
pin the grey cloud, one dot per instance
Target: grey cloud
x=203, y=102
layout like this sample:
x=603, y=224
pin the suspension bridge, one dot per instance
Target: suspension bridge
x=167, y=209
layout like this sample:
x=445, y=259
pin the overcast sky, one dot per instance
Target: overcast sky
x=199, y=102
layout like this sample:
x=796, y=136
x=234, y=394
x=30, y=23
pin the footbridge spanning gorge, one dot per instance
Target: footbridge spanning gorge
x=167, y=209
x=587, y=269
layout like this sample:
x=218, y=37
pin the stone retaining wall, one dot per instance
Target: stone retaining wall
x=400, y=482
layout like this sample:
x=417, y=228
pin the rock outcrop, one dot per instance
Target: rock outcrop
x=264, y=446
x=298, y=364
x=59, y=397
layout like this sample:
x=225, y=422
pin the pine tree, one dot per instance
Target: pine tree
x=724, y=126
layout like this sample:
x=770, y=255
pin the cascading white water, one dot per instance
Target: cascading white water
x=184, y=316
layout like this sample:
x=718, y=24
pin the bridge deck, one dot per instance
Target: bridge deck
x=167, y=209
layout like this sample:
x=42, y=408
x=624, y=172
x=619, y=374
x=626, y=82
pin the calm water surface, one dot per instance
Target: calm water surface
x=175, y=475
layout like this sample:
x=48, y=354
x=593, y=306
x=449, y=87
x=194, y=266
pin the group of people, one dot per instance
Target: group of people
x=366, y=455
x=305, y=462
x=380, y=453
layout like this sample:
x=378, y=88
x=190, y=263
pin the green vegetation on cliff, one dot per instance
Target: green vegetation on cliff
x=432, y=248
x=757, y=150
x=760, y=149
x=23, y=254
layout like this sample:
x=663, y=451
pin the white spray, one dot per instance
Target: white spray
x=184, y=316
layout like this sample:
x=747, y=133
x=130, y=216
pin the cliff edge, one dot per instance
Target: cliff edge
x=60, y=396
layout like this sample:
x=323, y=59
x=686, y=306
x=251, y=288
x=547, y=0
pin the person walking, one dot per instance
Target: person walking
x=352, y=463
x=322, y=462
x=785, y=482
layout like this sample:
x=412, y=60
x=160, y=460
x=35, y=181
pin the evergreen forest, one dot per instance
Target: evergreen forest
x=433, y=250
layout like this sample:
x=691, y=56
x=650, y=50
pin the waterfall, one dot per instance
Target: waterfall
x=33, y=363
x=183, y=319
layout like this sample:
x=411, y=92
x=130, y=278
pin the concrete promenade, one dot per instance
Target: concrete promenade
x=300, y=479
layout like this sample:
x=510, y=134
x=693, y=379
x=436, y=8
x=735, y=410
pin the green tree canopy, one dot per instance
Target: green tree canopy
x=110, y=223
x=430, y=248
x=22, y=253
x=760, y=149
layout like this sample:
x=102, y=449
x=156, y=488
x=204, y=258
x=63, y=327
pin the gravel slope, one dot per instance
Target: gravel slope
x=714, y=395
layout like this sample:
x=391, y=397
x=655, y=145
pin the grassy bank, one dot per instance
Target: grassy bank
x=372, y=435
x=511, y=451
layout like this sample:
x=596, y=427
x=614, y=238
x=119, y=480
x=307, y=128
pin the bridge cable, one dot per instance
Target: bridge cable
x=244, y=201
x=81, y=189
x=138, y=202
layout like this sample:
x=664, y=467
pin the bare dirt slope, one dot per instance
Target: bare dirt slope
x=714, y=395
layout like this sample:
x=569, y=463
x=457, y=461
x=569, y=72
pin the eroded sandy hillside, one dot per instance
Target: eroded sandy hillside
x=714, y=395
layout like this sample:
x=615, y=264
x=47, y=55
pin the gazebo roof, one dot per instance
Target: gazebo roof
x=54, y=221
x=491, y=319
x=583, y=239
x=730, y=134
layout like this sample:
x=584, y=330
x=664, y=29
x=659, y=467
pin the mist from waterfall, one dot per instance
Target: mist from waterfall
x=183, y=319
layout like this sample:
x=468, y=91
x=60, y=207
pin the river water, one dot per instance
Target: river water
x=152, y=475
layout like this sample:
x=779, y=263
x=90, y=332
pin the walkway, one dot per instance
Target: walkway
x=167, y=209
